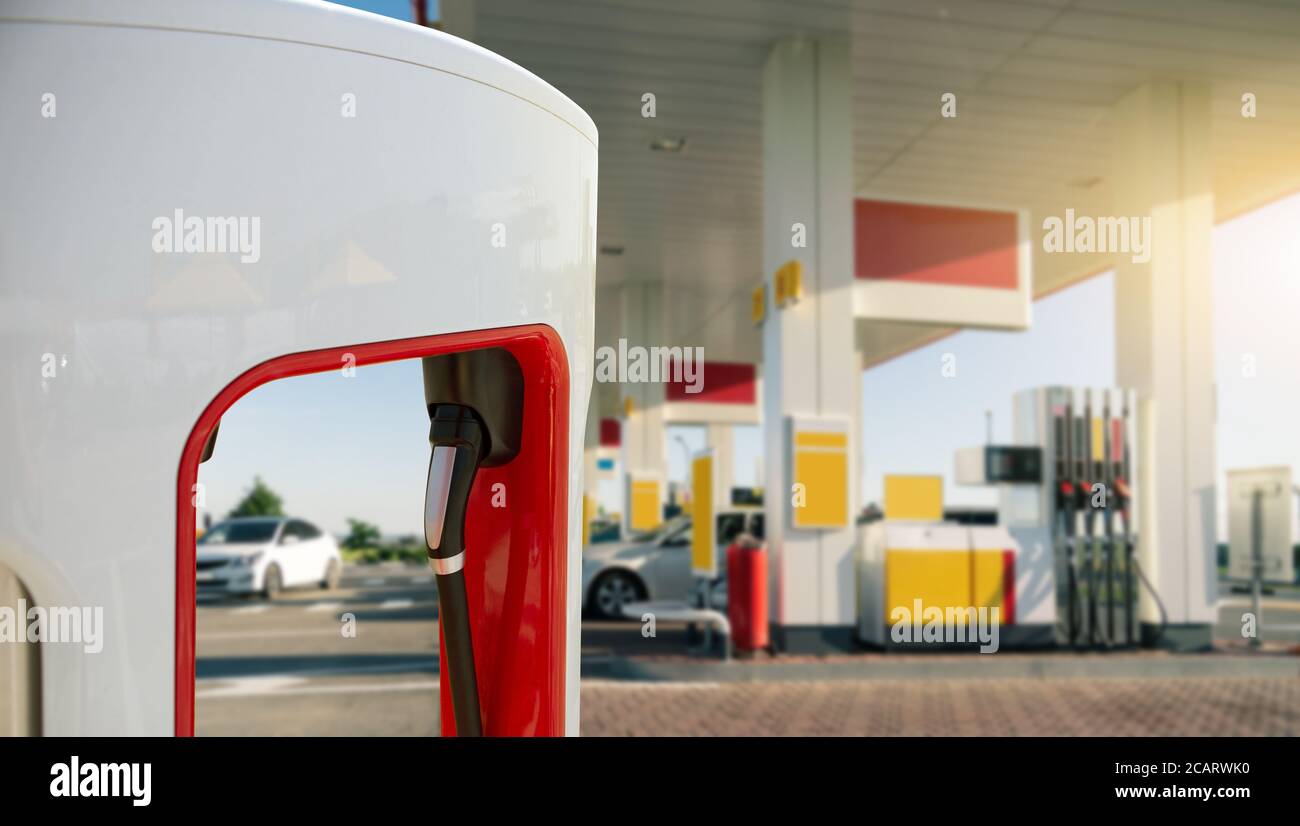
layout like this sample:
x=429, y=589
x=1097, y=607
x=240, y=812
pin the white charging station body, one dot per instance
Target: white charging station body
x=385, y=182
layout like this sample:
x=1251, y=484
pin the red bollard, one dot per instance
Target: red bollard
x=747, y=593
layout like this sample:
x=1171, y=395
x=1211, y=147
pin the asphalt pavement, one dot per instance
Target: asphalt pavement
x=361, y=659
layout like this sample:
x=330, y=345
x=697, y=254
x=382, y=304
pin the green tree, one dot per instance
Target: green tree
x=259, y=501
x=361, y=534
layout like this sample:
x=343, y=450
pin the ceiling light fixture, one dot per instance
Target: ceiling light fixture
x=668, y=144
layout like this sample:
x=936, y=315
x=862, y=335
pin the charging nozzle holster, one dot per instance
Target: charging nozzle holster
x=459, y=443
x=490, y=383
x=475, y=400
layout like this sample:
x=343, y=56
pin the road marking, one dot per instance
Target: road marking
x=421, y=580
x=325, y=606
x=590, y=682
x=1267, y=604
x=250, y=686
x=264, y=687
x=251, y=609
x=271, y=683
x=253, y=635
x=394, y=604
x=374, y=580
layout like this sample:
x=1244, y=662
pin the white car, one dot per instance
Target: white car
x=657, y=565
x=264, y=555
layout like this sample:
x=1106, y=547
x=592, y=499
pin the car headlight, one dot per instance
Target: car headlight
x=250, y=559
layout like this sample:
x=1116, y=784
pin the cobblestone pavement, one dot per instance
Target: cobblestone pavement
x=1103, y=707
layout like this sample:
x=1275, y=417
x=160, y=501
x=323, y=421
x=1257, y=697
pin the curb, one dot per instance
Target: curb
x=1049, y=667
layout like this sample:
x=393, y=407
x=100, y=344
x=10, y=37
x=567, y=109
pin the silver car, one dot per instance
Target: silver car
x=657, y=565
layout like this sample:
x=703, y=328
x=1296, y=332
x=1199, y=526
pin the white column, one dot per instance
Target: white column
x=644, y=438
x=590, y=447
x=1161, y=169
x=810, y=367
x=590, y=475
x=606, y=391
x=718, y=437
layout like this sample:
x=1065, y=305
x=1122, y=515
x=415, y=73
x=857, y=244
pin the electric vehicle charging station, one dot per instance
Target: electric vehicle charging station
x=345, y=190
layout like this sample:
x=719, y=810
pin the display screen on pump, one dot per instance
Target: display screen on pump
x=1014, y=464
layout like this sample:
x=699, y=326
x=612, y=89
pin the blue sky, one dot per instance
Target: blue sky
x=336, y=447
x=400, y=9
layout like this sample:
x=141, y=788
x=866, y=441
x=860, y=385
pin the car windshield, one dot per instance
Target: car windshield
x=240, y=533
x=679, y=535
x=659, y=532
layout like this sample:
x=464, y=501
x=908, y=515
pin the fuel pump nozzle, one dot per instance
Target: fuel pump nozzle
x=1084, y=504
x=1065, y=516
x=1123, y=495
x=460, y=441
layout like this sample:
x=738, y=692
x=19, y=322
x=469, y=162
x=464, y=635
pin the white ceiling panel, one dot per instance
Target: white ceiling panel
x=1035, y=81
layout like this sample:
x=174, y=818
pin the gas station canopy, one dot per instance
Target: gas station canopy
x=1035, y=82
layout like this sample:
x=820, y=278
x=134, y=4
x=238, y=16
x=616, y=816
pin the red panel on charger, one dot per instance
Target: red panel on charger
x=517, y=575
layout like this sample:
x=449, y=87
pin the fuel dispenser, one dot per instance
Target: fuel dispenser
x=200, y=201
x=1066, y=517
x=1083, y=508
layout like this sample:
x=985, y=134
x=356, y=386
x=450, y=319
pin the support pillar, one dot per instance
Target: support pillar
x=1161, y=168
x=719, y=438
x=590, y=473
x=644, y=437
x=810, y=366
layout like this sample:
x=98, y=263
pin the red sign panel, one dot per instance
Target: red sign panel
x=715, y=382
x=925, y=244
x=610, y=434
